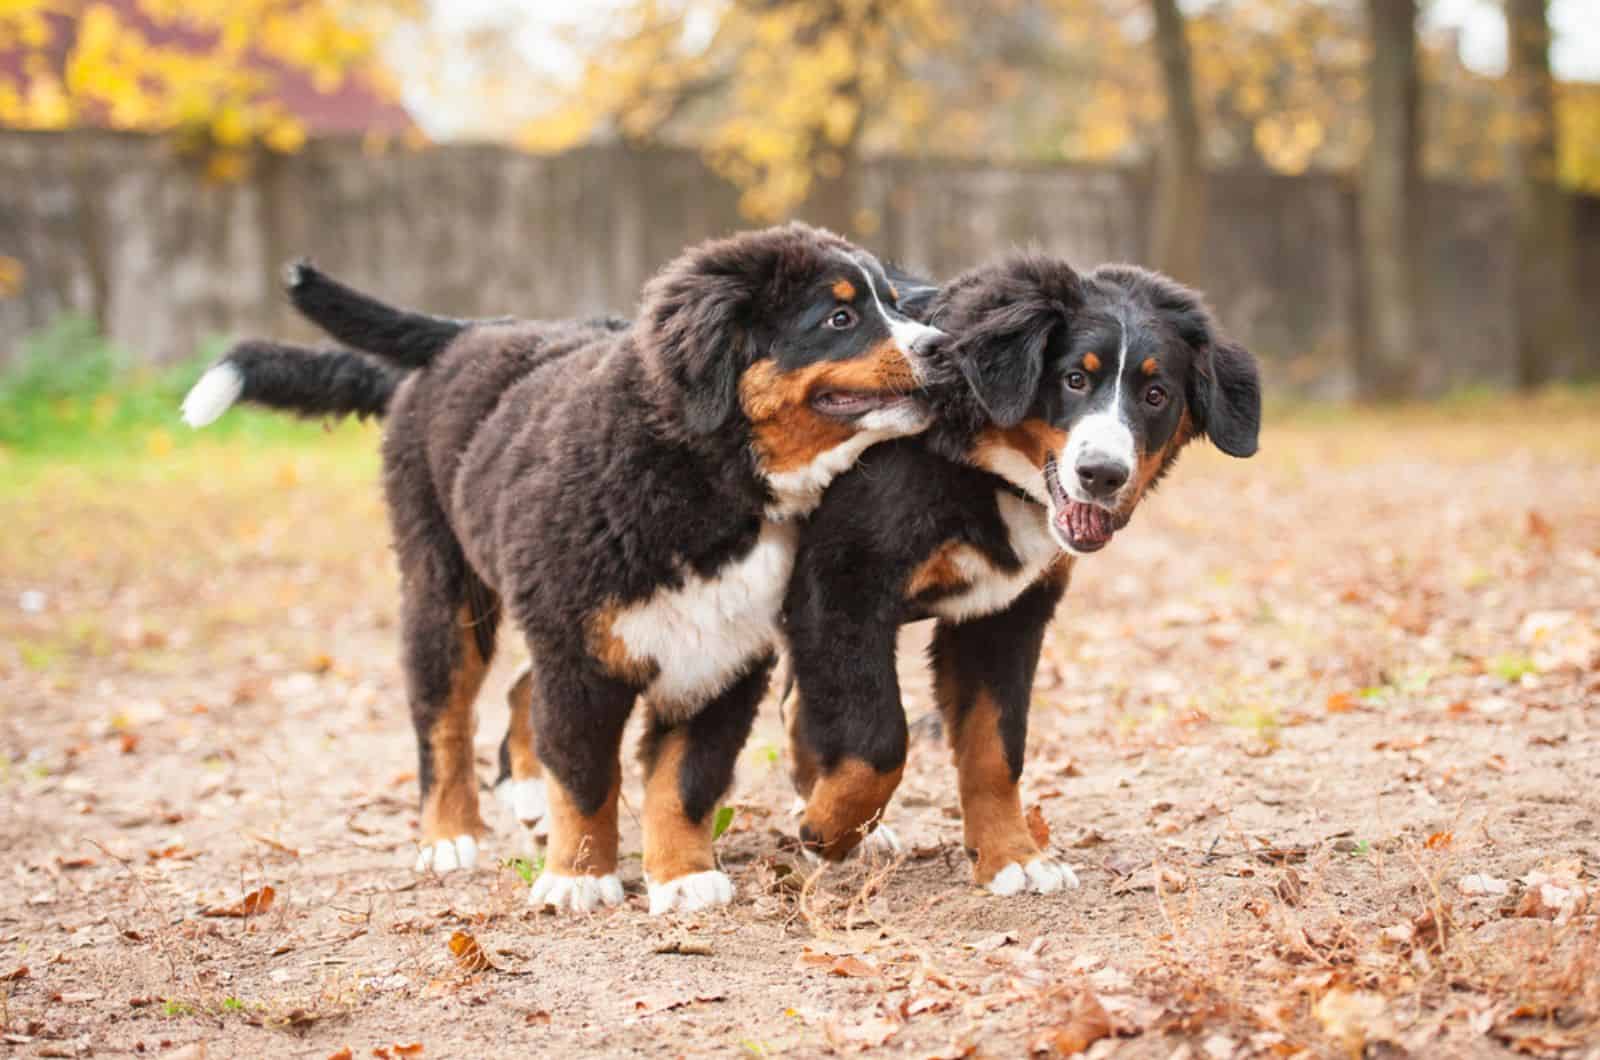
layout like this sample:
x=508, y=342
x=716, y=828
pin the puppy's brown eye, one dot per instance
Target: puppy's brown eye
x=1077, y=381
x=1155, y=396
x=843, y=319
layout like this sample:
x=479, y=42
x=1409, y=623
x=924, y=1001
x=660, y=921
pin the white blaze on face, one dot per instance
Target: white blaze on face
x=1102, y=437
x=907, y=333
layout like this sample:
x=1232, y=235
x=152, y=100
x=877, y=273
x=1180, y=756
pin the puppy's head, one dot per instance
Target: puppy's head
x=1094, y=384
x=800, y=334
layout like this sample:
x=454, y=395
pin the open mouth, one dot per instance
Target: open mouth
x=1082, y=527
x=853, y=404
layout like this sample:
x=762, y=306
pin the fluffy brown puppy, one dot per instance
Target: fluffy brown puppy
x=629, y=498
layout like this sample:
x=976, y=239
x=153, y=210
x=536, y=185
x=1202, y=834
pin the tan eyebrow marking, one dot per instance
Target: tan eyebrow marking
x=844, y=290
x=894, y=292
x=1149, y=366
x=1091, y=361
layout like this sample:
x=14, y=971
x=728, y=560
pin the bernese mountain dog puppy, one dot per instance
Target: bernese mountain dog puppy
x=631, y=498
x=1075, y=394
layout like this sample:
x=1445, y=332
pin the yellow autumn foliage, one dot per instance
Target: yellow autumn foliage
x=121, y=74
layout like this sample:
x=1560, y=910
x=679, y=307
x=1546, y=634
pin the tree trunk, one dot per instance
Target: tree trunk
x=1544, y=315
x=1391, y=206
x=1178, y=228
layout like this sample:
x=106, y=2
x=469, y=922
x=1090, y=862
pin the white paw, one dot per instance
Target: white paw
x=880, y=842
x=447, y=855
x=579, y=894
x=698, y=890
x=527, y=802
x=1042, y=875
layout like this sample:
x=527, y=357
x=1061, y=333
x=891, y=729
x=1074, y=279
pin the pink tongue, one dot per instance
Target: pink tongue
x=1084, y=523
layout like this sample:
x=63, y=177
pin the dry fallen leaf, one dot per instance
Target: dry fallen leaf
x=993, y=942
x=651, y=1004
x=853, y=967
x=1088, y=1023
x=413, y=1049
x=863, y=1034
x=469, y=955
x=685, y=947
x=1440, y=840
x=1087, y=838
x=253, y=904
x=1353, y=1017
x=1341, y=703
x=342, y=1054
x=1476, y=886
x=1038, y=827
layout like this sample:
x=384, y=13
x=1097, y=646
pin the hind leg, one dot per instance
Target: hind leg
x=520, y=785
x=446, y=656
x=688, y=768
x=578, y=716
x=448, y=623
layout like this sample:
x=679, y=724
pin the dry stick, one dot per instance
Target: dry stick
x=127, y=863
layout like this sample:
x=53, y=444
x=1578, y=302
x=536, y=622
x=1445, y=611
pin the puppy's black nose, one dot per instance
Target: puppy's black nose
x=1101, y=478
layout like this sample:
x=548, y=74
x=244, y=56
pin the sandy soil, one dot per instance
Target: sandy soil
x=1320, y=733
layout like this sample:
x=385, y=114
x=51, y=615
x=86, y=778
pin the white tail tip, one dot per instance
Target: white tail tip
x=209, y=398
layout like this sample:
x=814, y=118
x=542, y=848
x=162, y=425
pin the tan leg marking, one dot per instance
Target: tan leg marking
x=673, y=844
x=451, y=807
x=524, y=761
x=991, y=802
x=845, y=805
x=579, y=845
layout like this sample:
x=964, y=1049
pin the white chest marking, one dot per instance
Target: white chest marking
x=704, y=634
x=990, y=589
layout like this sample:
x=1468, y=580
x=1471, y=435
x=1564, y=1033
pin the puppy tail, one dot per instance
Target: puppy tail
x=292, y=379
x=358, y=320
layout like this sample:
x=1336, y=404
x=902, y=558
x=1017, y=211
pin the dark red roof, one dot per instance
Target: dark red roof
x=357, y=105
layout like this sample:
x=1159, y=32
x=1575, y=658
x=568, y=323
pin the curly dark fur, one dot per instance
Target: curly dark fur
x=312, y=382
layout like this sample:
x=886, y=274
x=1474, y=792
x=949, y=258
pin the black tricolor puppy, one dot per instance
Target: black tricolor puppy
x=1075, y=395
x=629, y=498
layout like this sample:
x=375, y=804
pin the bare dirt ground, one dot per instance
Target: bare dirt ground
x=1320, y=733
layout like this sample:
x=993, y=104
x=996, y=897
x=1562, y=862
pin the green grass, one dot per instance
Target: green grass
x=74, y=397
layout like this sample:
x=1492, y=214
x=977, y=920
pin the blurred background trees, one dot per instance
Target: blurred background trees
x=787, y=98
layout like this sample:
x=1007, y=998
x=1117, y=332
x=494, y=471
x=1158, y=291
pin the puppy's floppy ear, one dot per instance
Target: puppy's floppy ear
x=1002, y=318
x=916, y=294
x=1227, y=401
x=697, y=329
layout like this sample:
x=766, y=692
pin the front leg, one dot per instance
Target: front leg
x=983, y=681
x=846, y=726
x=688, y=768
